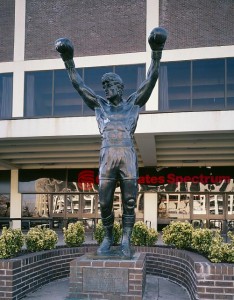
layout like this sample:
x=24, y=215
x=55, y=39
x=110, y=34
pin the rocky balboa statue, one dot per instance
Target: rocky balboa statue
x=117, y=121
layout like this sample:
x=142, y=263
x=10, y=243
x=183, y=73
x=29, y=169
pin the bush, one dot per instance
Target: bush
x=202, y=240
x=100, y=233
x=152, y=237
x=142, y=235
x=217, y=249
x=11, y=242
x=38, y=239
x=74, y=235
x=178, y=234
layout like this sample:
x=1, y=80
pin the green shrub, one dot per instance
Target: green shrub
x=74, y=234
x=202, y=240
x=38, y=239
x=178, y=234
x=142, y=235
x=11, y=242
x=152, y=237
x=99, y=233
x=230, y=234
x=217, y=249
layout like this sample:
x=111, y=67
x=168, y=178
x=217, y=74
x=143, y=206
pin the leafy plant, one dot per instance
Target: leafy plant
x=11, y=242
x=178, y=234
x=74, y=235
x=100, y=233
x=202, y=240
x=38, y=239
x=142, y=235
x=152, y=237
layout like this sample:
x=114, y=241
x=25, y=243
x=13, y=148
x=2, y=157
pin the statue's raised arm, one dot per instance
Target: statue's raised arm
x=66, y=51
x=157, y=39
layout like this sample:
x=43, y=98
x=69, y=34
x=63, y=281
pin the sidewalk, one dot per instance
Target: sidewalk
x=157, y=288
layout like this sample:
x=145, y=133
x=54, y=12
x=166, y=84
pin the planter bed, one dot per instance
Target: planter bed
x=201, y=278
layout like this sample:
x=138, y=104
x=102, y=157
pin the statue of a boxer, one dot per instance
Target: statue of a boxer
x=117, y=121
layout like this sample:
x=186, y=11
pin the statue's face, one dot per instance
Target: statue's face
x=111, y=90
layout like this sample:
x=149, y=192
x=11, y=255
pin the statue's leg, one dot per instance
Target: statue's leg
x=129, y=193
x=106, y=196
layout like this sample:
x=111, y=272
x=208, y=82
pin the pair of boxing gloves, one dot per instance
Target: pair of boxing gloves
x=157, y=39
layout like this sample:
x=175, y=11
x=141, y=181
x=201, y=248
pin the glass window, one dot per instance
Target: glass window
x=132, y=76
x=199, y=205
x=93, y=79
x=231, y=204
x=230, y=83
x=173, y=206
x=208, y=84
x=4, y=205
x=175, y=86
x=67, y=101
x=36, y=205
x=216, y=204
x=38, y=93
x=6, y=93
x=50, y=93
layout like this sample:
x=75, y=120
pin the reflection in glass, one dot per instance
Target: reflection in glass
x=36, y=205
x=175, y=206
x=230, y=83
x=216, y=204
x=4, y=205
x=132, y=76
x=6, y=95
x=230, y=204
x=208, y=84
x=88, y=203
x=73, y=203
x=38, y=93
x=67, y=102
x=58, y=204
x=199, y=204
x=175, y=86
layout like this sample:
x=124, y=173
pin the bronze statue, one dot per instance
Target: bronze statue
x=117, y=121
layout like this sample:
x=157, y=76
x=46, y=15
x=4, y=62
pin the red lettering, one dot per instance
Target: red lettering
x=170, y=178
x=147, y=179
x=141, y=180
x=153, y=180
x=195, y=179
x=161, y=179
x=187, y=179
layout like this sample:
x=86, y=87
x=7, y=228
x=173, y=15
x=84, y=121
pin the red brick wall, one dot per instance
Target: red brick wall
x=95, y=27
x=200, y=23
x=7, y=24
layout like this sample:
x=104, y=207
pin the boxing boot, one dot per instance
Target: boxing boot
x=128, y=223
x=107, y=242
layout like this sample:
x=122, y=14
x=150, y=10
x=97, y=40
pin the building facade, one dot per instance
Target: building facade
x=49, y=139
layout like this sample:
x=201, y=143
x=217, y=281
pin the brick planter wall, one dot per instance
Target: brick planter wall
x=202, y=279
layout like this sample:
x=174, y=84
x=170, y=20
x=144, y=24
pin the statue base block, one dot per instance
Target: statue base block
x=93, y=277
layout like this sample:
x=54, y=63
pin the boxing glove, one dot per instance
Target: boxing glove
x=65, y=48
x=157, y=39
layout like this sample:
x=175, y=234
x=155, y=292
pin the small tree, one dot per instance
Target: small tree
x=74, y=235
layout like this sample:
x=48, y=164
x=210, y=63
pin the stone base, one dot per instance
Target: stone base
x=107, y=278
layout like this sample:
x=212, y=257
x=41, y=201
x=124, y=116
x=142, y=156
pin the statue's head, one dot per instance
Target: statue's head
x=112, y=80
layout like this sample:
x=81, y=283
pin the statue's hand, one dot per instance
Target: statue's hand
x=65, y=48
x=157, y=38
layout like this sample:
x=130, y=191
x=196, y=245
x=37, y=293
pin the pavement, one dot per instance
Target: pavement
x=157, y=288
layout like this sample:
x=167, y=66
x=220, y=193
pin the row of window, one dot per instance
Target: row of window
x=183, y=86
x=197, y=85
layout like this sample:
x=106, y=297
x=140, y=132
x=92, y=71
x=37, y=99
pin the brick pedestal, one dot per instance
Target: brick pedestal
x=107, y=278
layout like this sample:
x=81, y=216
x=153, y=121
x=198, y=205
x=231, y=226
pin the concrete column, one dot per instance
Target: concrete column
x=19, y=48
x=150, y=209
x=15, y=208
x=152, y=21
